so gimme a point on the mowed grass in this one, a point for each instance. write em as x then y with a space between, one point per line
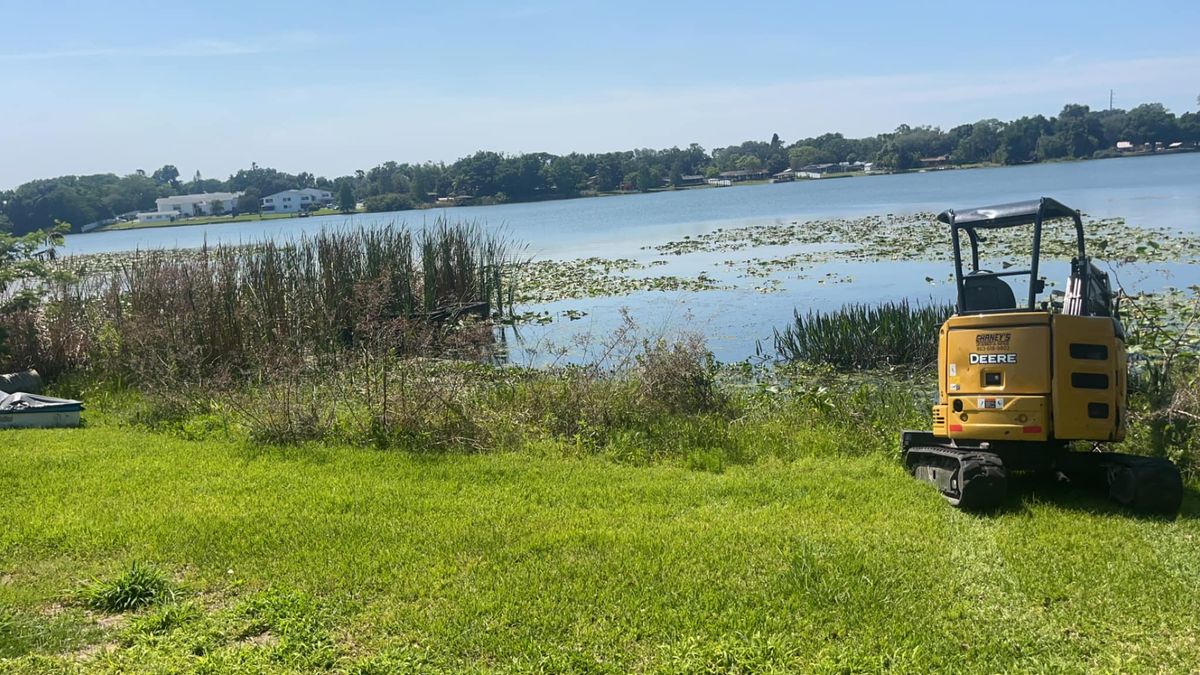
360 560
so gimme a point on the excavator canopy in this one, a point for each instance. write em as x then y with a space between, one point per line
981 290
1007 215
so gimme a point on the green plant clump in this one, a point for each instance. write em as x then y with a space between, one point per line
864 337
139 585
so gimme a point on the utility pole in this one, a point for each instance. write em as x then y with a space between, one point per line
1110 99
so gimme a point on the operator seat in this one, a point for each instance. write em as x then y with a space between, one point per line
982 292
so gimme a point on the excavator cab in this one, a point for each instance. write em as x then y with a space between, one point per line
981 290
1024 380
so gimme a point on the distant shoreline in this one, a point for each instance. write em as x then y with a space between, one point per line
253 218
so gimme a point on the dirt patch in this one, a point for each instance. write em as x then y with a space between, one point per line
53 609
92 651
109 621
263 639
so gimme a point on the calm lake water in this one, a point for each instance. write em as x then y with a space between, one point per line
1150 191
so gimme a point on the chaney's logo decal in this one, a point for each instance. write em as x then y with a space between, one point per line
993 342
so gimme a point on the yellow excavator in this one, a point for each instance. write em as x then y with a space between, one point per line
1037 384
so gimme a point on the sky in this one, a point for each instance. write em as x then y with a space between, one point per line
331 87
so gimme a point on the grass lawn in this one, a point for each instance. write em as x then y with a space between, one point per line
371 561
206 220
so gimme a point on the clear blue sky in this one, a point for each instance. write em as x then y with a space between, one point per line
332 87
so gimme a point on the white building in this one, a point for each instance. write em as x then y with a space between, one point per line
291 201
157 216
204 204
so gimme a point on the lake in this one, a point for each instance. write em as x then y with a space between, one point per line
1156 191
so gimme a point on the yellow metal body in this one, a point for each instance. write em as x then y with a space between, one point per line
1030 376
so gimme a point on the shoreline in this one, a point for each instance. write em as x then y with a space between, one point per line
489 202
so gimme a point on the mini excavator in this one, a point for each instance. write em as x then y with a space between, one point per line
1036 385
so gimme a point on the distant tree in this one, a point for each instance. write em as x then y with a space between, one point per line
1112 125
565 176
806 154
980 144
388 202
1189 127
775 141
423 182
476 175
677 174
894 155
1079 132
250 201
645 180
1150 122
1052 147
167 175
216 207
346 198
749 163
267 181
1019 141
608 172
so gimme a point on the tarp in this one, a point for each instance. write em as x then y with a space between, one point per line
26 380
22 402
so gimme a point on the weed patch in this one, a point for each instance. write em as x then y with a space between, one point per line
139 585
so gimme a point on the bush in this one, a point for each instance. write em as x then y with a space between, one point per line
1164 379
137 586
679 376
384 203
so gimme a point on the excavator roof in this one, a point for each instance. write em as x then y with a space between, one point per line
1007 215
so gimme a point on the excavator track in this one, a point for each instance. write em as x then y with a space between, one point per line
971 480
975 479
1149 485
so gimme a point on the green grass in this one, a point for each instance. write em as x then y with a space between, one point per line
813 557
206 220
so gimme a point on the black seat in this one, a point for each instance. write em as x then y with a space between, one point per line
982 292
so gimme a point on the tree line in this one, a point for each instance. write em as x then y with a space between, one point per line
489 177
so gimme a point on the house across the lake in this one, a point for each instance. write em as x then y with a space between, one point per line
157 216
292 201
203 204
745 174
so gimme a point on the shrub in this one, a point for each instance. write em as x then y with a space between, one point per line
679 376
137 586
391 201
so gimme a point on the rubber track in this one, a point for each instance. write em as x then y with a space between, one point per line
979 480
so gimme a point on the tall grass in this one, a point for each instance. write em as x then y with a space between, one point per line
241 308
864 337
